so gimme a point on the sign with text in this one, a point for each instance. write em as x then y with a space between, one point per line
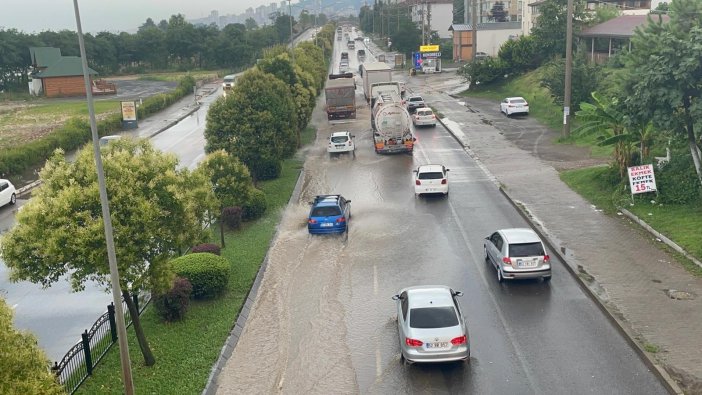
129 115
641 179
428 48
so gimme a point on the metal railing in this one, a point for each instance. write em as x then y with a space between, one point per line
80 361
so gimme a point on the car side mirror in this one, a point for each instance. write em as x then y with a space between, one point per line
458 293
395 297
414 139
448 169
348 201
353 136
414 171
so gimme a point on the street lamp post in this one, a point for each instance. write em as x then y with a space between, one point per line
111 256
292 45
568 69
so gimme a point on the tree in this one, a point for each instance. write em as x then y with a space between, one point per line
498 12
157 212
663 82
24 368
256 123
549 31
408 37
250 24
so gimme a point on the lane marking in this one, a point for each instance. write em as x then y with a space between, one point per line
375 280
378 371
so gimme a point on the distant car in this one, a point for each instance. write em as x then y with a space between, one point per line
344 55
358 38
431 179
481 56
415 102
431 325
104 140
329 214
424 117
228 83
8 193
517 253
341 142
514 105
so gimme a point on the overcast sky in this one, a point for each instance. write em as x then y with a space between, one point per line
111 15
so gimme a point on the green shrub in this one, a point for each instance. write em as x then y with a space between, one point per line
482 73
24 368
677 180
207 247
172 305
520 55
232 216
208 273
255 207
267 169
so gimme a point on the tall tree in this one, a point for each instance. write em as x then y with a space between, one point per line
549 31
664 83
157 210
498 12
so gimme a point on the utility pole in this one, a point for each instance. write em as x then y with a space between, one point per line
423 34
429 23
474 44
292 45
568 69
107 220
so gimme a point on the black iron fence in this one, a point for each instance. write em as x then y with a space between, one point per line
80 361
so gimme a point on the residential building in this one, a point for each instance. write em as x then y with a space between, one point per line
610 37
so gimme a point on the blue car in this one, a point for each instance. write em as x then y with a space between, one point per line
329 214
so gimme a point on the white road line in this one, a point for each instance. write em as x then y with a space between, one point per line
375 280
378 370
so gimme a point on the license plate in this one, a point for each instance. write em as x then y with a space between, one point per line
326 224
521 263
437 345
339 146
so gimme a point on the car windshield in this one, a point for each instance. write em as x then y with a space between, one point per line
526 249
339 139
518 101
228 79
431 175
415 99
327 211
433 317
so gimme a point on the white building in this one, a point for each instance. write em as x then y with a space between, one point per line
438 15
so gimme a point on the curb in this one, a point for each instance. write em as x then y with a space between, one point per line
647 359
243 314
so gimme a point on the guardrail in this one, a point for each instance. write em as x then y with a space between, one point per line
80 361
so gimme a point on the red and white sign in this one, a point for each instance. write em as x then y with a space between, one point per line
641 179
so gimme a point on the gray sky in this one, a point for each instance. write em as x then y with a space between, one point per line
111 15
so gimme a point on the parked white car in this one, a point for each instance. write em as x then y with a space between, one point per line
8 193
431 179
514 105
341 142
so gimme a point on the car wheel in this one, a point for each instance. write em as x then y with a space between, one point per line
547 279
13 199
499 275
403 360
487 257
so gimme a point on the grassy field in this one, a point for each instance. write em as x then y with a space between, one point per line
680 223
185 351
198 75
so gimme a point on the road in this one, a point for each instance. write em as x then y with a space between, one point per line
323 321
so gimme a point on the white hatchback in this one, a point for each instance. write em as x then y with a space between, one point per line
8 194
424 117
514 105
431 179
341 142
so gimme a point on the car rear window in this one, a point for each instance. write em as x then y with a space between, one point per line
415 99
339 139
326 211
424 112
526 249
518 101
431 175
433 317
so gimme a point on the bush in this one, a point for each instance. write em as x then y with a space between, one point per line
520 55
173 304
232 217
256 206
267 169
482 73
206 247
585 78
208 273
677 180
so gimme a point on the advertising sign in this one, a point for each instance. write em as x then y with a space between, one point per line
129 115
428 48
641 179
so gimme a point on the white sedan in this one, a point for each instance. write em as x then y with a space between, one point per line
431 179
514 105
424 117
8 194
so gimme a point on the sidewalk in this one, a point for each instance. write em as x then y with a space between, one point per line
636 281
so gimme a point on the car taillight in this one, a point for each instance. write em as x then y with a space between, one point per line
458 340
341 219
413 342
444 181
312 221
417 182
507 260
433 117
349 143
547 258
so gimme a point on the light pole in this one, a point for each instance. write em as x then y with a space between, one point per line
292 45
111 256
568 69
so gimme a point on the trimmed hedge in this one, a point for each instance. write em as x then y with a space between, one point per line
256 205
172 305
206 247
76 132
208 273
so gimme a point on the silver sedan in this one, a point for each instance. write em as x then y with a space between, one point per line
431 325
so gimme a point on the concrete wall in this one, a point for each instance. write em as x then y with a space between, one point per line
490 41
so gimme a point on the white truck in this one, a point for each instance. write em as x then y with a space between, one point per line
390 122
374 72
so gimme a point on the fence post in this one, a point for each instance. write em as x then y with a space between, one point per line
55 369
86 349
135 297
113 322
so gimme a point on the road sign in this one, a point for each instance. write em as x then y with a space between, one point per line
428 48
641 179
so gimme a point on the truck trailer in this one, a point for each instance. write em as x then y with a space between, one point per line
340 93
390 122
374 72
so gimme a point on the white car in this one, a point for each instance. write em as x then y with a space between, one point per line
517 253
341 142
514 105
228 83
431 179
8 194
424 117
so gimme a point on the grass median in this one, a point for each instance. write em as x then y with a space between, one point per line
185 351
